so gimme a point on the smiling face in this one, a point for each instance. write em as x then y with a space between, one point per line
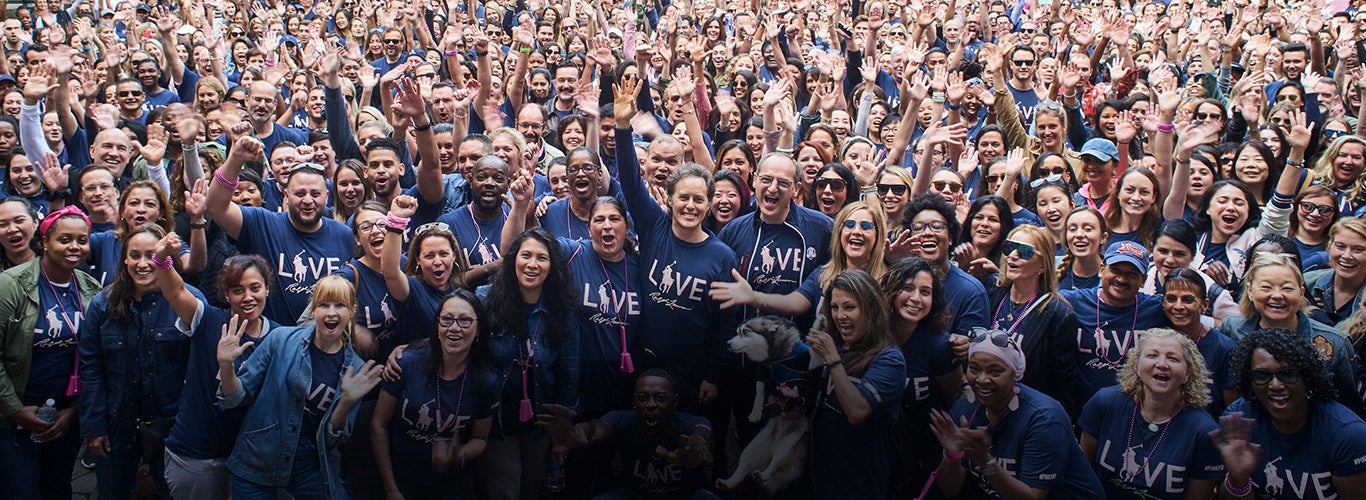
247 297
726 204
1137 195
369 233
382 170
892 193
331 317
532 265
912 303
1348 164
858 242
1119 283
1085 234
1018 268
306 195
1183 303
1162 366
350 189
1347 254
689 203
1250 167
436 261
137 260
1283 401
1313 221
661 159
67 243
1202 176
582 175
141 205
986 226
456 340
654 402
831 193
992 381
1228 210
1276 294
847 316
1052 204
607 227
23 177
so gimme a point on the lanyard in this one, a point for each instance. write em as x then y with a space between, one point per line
459 400
524 413
626 365
68 319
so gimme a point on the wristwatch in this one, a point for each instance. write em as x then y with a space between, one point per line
988 470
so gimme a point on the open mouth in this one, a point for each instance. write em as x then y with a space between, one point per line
1276 306
724 209
139 220
1278 401
331 324
439 275
1080 245
660 178
1053 218
650 419
608 239
454 338
249 308
827 202
142 273
582 185
1346 266
856 242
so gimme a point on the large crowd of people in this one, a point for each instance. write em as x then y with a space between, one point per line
502 248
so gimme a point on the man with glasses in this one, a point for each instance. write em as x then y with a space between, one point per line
395 46
1022 62
301 243
261 114
531 122
130 96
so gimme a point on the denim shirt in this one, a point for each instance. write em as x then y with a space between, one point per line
274 383
130 371
554 368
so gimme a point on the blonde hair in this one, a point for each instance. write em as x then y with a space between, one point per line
1353 224
1044 248
1323 168
1194 392
839 262
1263 261
334 288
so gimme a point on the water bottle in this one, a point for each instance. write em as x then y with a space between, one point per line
554 478
47 413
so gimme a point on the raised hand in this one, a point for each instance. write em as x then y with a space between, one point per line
403 206
1300 131
230 345
357 383
39 83
246 149
1125 127
408 102
624 105
155 148
1233 438
195 198
956 89
54 172
169 246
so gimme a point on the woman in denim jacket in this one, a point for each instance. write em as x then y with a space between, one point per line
132 369
535 348
301 385
37 355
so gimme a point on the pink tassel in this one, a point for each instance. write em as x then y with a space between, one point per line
626 365
525 414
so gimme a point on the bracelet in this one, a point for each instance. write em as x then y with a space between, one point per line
481 54
270 63
223 181
423 128
164 263
1245 490
1293 163
395 222
953 107
956 457
524 50
1166 128
452 52
198 225
831 366
189 147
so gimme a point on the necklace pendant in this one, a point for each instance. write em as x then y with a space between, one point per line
1152 426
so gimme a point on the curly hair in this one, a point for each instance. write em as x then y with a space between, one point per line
506 305
898 278
1290 351
937 203
1194 392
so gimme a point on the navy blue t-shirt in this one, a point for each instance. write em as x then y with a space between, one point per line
419 419
420 310
856 461
1070 281
1135 462
1217 349
928 356
561 222
1036 445
105 252
376 310
967 301
643 471
202 430
1331 443
480 240
1101 348
1025 102
777 258
54 342
300 259
609 306
323 390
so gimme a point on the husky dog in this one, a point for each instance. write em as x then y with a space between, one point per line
777 455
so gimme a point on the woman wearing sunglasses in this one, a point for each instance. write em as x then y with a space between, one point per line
1148 437
1337 291
854 426
1287 438
1184 302
1004 439
919 325
834 187
1274 297
436 266
893 187
444 404
1316 211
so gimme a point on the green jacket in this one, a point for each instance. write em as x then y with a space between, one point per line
19 304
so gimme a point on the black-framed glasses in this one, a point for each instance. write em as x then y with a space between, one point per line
392 41
865 225
1285 375
833 184
768 180
1200 117
952 187
896 189
574 169
1308 207
365 227
1289 96
1025 250
432 226
446 320
934 227
1030 31
1023 62
425 75
129 93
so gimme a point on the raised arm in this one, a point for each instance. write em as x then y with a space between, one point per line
402 208
184 303
167 23
218 200
410 104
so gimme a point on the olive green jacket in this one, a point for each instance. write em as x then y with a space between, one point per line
19 311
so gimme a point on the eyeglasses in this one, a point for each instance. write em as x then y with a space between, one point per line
952 187
1023 62
935 227
1025 250
365 227
768 180
1029 30
865 225
896 189
1308 208
130 93
1200 117
90 188
832 184
425 75
1279 120
994 178
447 320
574 169
432 226
1285 375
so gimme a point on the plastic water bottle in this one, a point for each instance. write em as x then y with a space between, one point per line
554 478
47 413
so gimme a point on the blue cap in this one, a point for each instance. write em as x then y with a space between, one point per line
8 78
1127 252
289 39
1100 149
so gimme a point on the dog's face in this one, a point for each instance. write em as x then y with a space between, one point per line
749 343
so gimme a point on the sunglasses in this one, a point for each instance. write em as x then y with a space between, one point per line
952 187
1308 208
129 93
1030 31
936 227
447 320
1288 97
1285 375
1333 134
865 225
392 41
432 226
1200 117
1025 250
833 184
997 337
1023 62
897 189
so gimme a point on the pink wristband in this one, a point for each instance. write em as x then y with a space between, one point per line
1166 128
956 457
223 181
395 222
164 263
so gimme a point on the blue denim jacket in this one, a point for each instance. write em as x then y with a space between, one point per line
274 383
130 371
555 369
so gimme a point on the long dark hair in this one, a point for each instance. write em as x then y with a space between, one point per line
120 294
558 295
431 360
1007 224
1273 166
851 186
898 277
1203 223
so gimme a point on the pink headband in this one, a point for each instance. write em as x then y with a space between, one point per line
52 218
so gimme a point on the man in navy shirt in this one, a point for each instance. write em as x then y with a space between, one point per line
301 243
1022 62
261 114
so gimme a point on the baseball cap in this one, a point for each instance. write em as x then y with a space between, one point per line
1127 252
1100 149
